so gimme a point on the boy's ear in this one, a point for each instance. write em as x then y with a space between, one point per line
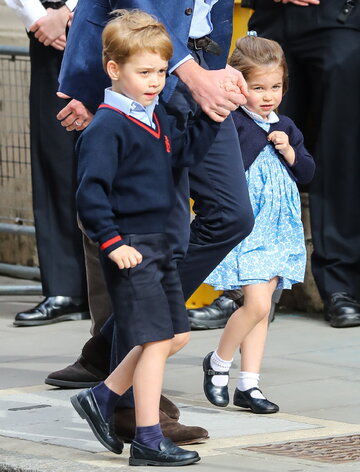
113 70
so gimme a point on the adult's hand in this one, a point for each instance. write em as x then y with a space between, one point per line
59 43
75 115
206 88
50 27
301 3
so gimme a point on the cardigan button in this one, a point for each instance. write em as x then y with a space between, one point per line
188 11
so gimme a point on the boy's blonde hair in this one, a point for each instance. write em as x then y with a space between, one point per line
252 52
132 31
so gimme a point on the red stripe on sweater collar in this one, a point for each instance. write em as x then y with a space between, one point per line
155 133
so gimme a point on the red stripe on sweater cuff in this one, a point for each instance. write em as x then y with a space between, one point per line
111 241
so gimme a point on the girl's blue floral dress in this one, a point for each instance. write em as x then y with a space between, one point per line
275 247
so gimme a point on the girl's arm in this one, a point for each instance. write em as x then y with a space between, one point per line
281 142
303 166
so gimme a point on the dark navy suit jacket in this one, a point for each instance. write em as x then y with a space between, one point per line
82 75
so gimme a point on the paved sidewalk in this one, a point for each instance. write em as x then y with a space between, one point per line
311 370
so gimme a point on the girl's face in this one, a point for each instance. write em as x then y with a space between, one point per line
265 86
141 78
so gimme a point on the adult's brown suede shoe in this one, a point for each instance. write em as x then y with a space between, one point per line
124 423
169 408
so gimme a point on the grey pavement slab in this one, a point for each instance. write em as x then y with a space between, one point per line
310 369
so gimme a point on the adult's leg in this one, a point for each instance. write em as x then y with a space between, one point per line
335 220
223 211
53 166
59 240
221 202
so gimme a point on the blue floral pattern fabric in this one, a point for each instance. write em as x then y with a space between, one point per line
276 246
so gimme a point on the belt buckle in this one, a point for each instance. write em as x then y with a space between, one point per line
196 47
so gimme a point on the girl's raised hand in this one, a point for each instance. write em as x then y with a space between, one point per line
125 257
281 143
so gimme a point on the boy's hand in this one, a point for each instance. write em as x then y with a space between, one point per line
125 257
281 143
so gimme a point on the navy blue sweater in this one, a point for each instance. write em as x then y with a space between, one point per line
125 179
253 139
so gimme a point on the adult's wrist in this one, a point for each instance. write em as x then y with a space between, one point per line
188 71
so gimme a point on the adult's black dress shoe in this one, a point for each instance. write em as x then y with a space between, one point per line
257 405
168 455
342 310
218 396
85 404
54 310
212 316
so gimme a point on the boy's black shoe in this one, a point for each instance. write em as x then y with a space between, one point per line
168 455
257 405
218 396
85 404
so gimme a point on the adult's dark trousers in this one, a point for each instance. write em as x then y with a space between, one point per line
323 99
53 167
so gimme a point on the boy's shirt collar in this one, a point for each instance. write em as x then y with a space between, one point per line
272 118
131 107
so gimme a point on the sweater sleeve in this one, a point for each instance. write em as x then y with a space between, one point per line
304 167
191 139
97 150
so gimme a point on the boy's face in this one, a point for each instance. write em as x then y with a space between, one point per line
265 88
141 78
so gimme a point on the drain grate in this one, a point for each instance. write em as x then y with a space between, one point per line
335 450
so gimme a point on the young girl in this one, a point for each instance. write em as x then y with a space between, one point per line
273 255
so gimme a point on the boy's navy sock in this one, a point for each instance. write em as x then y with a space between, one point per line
150 436
106 400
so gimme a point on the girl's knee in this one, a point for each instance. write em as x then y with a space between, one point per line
260 309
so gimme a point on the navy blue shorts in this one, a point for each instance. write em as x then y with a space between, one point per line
147 300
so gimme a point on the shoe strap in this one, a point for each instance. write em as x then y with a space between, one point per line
213 372
254 388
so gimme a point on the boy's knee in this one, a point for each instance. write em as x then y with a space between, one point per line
179 341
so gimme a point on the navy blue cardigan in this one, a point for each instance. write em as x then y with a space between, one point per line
253 139
125 178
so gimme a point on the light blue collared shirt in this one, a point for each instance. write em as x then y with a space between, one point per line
131 107
201 21
272 118
200 24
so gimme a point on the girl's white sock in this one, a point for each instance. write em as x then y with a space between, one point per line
249 380
219 365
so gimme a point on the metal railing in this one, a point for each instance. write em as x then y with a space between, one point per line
16 215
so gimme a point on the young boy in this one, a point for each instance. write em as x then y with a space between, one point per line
125 194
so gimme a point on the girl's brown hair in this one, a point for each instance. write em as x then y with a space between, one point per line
132 31
252 52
